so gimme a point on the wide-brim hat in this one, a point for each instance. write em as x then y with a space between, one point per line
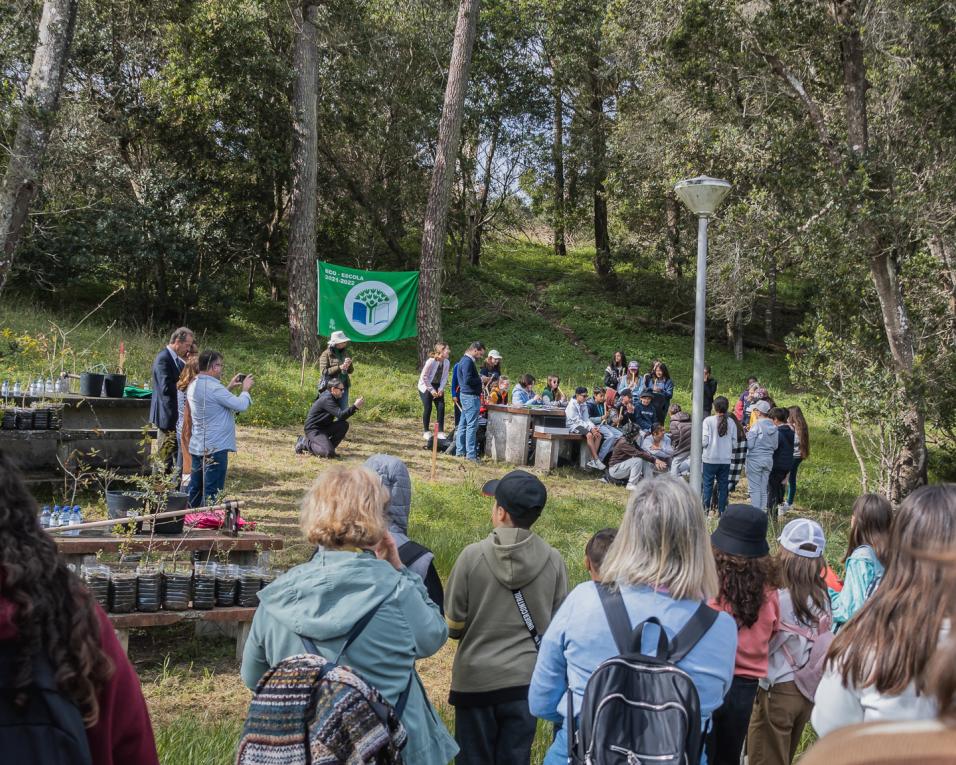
742 530
338 337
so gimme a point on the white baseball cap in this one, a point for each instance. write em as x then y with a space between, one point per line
338 337
762 406
803 537
493 354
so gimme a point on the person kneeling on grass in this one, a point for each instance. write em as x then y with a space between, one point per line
580 423
325 424
501 595
628 460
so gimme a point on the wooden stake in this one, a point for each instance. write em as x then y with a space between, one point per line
435 452
236 504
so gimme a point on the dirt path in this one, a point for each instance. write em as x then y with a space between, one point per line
539 306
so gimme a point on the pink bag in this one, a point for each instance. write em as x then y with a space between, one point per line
807 675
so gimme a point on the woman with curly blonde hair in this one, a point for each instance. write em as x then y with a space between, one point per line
355 571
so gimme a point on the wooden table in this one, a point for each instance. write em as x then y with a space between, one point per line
242 550
233 622
99 431
510 427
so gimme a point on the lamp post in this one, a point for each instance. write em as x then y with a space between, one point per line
702 196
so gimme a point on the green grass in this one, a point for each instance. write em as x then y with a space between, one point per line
195 696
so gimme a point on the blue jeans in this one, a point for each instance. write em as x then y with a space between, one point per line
720 474
466 437
208 477
792 491
611 436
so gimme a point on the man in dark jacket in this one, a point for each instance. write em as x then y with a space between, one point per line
627 461
164 407
782 457
469 382
710 390
325 424
680 440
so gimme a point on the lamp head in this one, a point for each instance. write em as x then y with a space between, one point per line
702 195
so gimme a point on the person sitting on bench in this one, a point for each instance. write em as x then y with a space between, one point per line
325 424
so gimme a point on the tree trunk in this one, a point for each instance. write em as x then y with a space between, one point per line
303 298
771 309
674 266
602 241
40 103
557 157
436 211
474 251
910 469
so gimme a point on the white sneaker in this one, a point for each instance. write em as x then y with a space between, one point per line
425 435
632 487
596 465
441 435
782 510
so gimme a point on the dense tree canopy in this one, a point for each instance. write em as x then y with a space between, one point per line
169 166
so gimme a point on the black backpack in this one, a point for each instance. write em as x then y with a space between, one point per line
48 727
639 708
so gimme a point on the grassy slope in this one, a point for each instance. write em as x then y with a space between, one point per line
196 699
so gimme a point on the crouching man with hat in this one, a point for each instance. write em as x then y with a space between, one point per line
501 595
326 423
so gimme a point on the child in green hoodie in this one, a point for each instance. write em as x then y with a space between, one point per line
500 597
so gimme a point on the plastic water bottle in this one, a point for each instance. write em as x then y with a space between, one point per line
48 386
55 518
5 389
16 387
45 517
76 518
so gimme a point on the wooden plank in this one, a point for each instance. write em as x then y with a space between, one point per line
139 620
539 436
247 541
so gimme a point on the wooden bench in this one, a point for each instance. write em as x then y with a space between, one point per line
548 445
235 621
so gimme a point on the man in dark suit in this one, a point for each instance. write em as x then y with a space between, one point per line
164 408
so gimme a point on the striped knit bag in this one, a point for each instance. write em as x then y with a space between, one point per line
309 711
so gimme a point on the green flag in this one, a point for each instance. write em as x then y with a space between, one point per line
368 306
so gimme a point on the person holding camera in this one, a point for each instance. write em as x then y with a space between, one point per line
336 364
213 436
326 423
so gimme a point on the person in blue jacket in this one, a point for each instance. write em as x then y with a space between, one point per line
662 562
662 387
469 386
645 415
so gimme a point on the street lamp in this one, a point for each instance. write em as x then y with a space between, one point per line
702 196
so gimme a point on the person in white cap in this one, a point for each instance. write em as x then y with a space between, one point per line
761 444
785 696
490 370
336 364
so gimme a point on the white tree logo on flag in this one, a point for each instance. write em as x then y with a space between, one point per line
370 307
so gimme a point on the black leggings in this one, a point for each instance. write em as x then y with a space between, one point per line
427 402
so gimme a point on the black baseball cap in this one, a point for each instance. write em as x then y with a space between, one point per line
742 530
521 494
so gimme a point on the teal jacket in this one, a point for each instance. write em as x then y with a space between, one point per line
323 599
863 574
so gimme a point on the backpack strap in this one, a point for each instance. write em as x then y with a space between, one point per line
617 618
410 551
691 633
526 617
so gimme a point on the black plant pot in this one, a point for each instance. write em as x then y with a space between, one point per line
91 384
118 503
113 385
175 500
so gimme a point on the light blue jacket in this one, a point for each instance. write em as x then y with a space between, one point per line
579 639
213 409
323 599
761 442
863 573
522 396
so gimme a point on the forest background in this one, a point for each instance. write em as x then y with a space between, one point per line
170 170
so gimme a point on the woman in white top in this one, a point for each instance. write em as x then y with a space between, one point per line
720 435
878 662
431 387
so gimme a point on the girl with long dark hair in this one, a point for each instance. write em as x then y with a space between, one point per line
662 387
878 663
865 553
50 623
720 435
747 594
615 371
801 449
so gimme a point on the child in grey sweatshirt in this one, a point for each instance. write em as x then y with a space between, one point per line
761 444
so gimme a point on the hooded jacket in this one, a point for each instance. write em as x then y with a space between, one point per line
681 433
323 599
496 653
123 733
396 480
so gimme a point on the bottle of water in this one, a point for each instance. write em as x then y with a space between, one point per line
45 517
48 386
76 518
16 387
5 389
55 518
